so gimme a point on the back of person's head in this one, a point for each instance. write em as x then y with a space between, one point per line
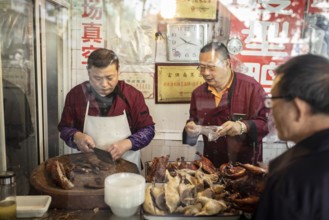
306 77
219 48
101 58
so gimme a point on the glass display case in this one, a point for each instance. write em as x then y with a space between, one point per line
45 44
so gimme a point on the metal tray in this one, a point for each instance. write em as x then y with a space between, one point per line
178 217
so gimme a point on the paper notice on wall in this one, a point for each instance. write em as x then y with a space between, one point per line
141 81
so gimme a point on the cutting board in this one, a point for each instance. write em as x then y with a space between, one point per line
86 168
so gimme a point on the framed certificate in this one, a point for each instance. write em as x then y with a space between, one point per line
196 10
176 81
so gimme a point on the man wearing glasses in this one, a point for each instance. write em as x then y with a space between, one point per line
230 102
298 180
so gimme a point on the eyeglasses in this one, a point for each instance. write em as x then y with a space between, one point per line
203 68
268 99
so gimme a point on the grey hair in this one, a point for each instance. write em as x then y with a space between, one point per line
306 77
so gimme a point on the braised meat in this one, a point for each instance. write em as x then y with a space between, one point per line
245 183
157 171
58 174
205 163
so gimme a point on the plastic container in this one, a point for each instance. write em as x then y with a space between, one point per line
124 193
32 206
7 195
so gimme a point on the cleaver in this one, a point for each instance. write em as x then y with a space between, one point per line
103 155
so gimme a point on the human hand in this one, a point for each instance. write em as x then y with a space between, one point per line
119 148
231 128
211 132
84 142
192 129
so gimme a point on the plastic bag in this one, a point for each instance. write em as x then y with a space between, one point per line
209 131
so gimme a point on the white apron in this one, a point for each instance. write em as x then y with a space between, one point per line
108 130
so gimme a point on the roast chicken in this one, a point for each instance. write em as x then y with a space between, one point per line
205 163
158 166
156 172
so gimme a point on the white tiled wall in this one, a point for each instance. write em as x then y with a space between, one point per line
174 148
272 150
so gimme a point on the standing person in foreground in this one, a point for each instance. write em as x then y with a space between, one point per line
106 112
231 100
298 180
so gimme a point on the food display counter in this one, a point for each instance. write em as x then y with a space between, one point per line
63 214
76 181
66 214
86 199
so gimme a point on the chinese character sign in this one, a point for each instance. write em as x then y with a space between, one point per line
268 31
92 28
175 82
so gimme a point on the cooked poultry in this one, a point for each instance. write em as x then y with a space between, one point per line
190 210
253 169
211 206
173 166
184 165
188 171
171 192
232 172
218 188
247 204
244 201
58 174
245 183
206 193
187 177
172 197
217 192
206 164
174 181
149 204
220 192
235 188
156 172
186 193
158 196
206 179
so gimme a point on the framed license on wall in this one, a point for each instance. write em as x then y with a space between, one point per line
174 82
196 10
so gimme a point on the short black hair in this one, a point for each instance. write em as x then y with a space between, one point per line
218 47
306 77
101 58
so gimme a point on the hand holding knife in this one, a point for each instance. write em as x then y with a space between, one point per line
104 155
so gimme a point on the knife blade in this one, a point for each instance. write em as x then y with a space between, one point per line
104 155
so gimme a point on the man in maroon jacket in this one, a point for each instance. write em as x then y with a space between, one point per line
233 102
105 112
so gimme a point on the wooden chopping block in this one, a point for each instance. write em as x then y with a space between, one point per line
86 168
